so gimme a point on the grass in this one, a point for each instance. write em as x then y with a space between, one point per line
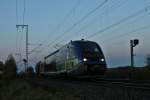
21 90
137 73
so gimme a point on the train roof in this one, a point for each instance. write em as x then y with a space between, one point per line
82 40
51 54
76 41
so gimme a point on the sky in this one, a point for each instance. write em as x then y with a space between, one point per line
53 23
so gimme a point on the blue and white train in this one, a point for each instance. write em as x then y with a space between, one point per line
77 58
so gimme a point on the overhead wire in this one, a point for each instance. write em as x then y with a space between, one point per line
18 47
66 17
145 9
94 20
63 21
24 9
34 49
16 11
102 14
19 37
110 26
17 23
78 22
131 22
126 34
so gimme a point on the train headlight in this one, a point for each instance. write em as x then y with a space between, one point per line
102 59
84 59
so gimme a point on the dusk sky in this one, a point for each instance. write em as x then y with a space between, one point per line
53 23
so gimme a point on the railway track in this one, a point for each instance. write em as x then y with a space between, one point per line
96 89
134 84
124 83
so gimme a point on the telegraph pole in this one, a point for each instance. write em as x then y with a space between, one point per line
20 59
26 27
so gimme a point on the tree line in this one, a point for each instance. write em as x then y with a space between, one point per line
8 70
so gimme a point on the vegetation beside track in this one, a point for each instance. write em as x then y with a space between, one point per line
20 89
136 73
13 87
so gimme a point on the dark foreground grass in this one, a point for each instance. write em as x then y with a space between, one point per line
136 73
21 90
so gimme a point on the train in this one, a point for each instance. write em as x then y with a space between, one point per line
77 58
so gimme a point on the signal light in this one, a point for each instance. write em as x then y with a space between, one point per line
135 42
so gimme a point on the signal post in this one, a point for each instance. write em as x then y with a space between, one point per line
133 43
25 60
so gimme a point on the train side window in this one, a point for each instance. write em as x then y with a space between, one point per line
72 52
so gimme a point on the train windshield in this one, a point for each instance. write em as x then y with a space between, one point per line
90 49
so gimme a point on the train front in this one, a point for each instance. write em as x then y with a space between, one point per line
92 58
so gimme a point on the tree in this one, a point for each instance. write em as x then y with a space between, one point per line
10 67
1 68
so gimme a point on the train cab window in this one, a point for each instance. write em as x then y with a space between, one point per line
90 47
96 49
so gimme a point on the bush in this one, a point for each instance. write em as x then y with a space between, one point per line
137 73
10 68
1 69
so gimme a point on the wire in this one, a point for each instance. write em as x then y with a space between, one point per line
119 22
94 20
125 34
131 22
20 43
17 23
16 11
64 19
24 9
66 16
34 49
78 22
